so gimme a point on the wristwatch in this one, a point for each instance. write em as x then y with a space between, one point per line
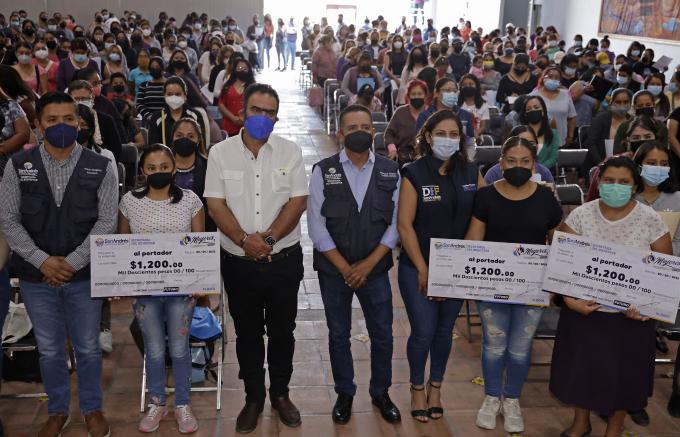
270 241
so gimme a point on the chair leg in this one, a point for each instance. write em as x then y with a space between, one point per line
142 407
468 321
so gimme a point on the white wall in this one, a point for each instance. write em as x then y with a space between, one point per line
482 14
582 16
84 10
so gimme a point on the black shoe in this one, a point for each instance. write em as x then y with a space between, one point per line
585 434
246 421
640 417
674 405
342 410
388 410
288 412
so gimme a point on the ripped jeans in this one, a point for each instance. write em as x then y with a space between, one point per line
154 314
506 346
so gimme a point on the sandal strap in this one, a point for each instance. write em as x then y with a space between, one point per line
431 384
435 410
414 388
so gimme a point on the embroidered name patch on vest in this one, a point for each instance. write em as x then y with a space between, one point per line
28 173
332 177
431 193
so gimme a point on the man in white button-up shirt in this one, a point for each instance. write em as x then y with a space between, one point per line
256 190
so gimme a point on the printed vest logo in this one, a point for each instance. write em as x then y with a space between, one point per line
28 173
332 177
431 193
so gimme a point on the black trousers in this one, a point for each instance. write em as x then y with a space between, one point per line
263 299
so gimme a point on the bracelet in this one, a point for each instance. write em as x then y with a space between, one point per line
243 240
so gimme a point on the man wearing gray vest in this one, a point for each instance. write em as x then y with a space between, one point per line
352 209
54 197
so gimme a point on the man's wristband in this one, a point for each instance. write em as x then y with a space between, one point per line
243 240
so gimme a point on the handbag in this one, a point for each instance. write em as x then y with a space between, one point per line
315 96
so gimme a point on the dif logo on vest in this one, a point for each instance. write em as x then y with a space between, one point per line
431 193
28 173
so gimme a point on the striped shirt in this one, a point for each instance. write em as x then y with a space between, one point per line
58 175
150 99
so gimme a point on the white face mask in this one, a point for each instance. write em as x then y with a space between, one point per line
89 103
444 147
41 54
174 102
398 45
146 32
182 44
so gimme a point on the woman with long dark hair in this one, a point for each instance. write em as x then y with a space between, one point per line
470 99
534 113
444 165
231 98
162 207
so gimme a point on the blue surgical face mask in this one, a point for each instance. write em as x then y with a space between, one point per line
551 84
79 58
444 147
615 195
635 52
655 89
655 175
570 71
259 126
449 99
673 87
621 80
61 135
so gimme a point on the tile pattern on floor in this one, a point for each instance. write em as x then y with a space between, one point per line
312 382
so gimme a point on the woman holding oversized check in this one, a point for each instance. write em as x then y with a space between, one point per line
162 207
603 360
512 210
436 198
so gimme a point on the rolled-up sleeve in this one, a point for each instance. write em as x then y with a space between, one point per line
107 197
316 223
10 220
391 236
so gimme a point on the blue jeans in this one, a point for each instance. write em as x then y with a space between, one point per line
266 47
154 314
431 327
53 310
376 302
290 49
508 334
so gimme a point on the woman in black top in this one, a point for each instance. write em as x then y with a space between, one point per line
512 210
517 82
435 201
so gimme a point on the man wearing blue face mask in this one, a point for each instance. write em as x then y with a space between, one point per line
54 197
352 222
256 190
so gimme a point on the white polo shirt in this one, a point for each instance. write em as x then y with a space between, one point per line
256 189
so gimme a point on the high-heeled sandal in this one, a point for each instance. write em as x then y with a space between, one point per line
419 415
585 434
434 410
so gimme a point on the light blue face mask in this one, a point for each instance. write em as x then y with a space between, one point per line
444 147
615 195
449 99
673 87
655 89
551 84
655 175
621 80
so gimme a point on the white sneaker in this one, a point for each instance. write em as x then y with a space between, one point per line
512 415
152 420
486 417
106 341
186 421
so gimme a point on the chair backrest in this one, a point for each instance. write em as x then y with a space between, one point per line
145 135
343 101
487 155
380 126
570 194
486 140
213 112
337 93
379 144
570 158
121 178
378 116
130 159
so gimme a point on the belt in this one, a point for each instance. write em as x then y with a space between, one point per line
283 254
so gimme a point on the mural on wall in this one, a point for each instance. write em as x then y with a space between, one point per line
658 19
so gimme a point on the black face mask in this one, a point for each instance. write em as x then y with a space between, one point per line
517 176
468 91
534 117
242 75
155 73
78 33
230 41
434 54
62 54
51 44
29 31
159 180
365 68
184 147
118 88
137 39
520 71
84 136
648 111
418 102
358 141
634 145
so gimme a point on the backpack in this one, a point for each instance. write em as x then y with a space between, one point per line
205 328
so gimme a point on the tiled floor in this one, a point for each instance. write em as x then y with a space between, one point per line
312 383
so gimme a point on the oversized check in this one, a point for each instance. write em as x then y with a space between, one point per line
615 276
483 270
155 264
